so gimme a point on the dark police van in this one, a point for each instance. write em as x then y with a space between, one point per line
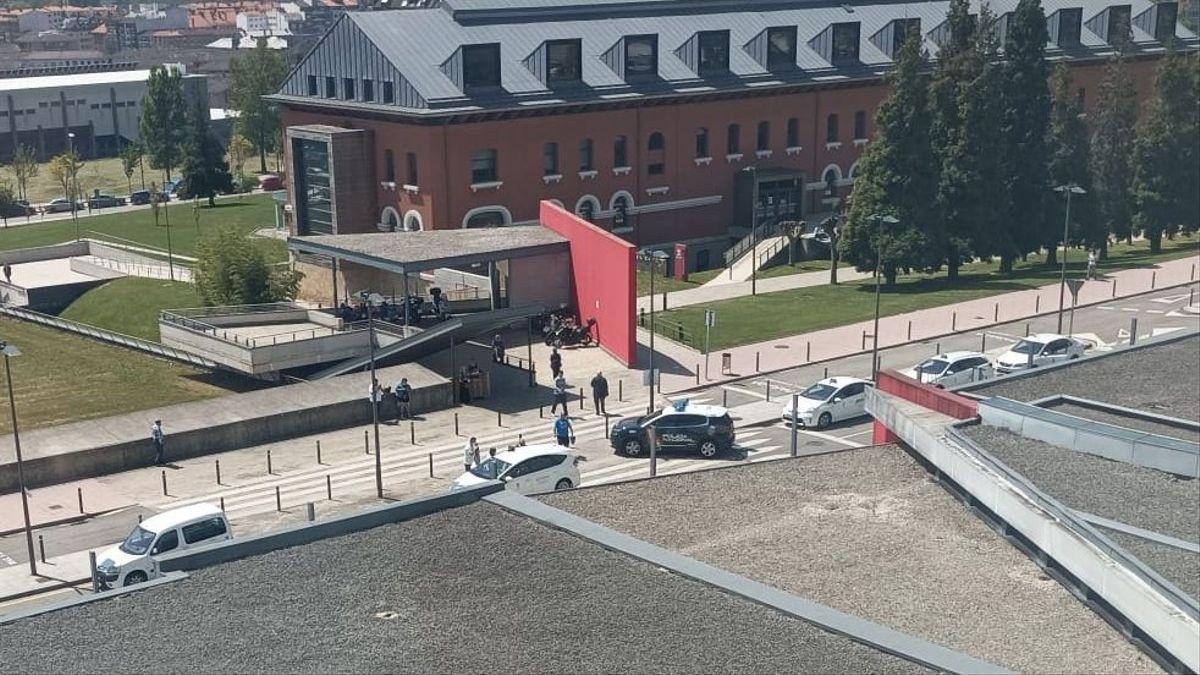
706 429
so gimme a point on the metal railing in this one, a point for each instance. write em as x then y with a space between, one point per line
109 336
667 328
763 231
231 336
228 310
142 269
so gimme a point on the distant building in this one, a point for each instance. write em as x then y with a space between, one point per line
101 109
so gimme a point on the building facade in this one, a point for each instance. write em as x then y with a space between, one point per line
661 120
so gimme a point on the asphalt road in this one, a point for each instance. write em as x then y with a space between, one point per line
93 533
87 213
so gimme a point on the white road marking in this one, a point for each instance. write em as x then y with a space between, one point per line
747 392
1123 309
1171 299
857 433
1149 311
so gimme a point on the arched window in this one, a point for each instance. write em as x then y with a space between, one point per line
620 217
390 219
412 221
587 211
831 129
831 180
764 136
487 217
853 172
702 143
656 142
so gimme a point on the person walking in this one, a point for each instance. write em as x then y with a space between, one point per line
563 431
403 392
159 438
497 349
470 454
560 394
1091 268
599 393
555 362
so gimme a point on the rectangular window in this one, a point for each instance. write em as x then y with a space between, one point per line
330 86
860 124
312 85
656 169
481 66
733 139
368 90
1119 31
1164 21
641 56
313 187
702 143
587 160
205 529
564 61
764 136
793 133
56 104
1069 23
781 48
620 152
485 166
348 88
845 44
902 29
411 160
831 129
389 166
389 92
713 57
43 104
550 159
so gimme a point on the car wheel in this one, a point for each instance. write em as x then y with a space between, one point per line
633 448
708 449
563 484
1074 356
824 420
137 577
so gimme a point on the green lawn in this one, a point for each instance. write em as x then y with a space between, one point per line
247 213
774 315
131 305
61 377
670 284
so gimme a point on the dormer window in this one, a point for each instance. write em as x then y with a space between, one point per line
564 62
641 56
1119 31
713 58
844 50
481 66
781 48
891 38
1166 16
1069 22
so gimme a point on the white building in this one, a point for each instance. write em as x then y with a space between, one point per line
100 109
262 24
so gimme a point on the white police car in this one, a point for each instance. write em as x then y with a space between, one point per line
1043 349
684 426
828 401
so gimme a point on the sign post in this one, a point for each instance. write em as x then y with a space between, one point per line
1073 285
710 320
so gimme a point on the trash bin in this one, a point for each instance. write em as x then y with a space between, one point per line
726 362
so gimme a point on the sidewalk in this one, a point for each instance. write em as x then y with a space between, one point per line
898 329
59 504
712 292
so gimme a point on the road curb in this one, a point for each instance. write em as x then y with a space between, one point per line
57 586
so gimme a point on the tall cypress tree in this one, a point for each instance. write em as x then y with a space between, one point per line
894 178
163 118
1026 97
205 171
1069 162
1112 149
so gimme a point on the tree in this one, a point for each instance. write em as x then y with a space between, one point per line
252 76
24 167
1164 152
1026 96
231 270
7 200
163 122
1069 161
65 170
240 150
205 171
1112 147
894 178
131 158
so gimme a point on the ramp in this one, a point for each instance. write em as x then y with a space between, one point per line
435 339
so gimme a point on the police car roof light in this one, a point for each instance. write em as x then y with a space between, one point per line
680 405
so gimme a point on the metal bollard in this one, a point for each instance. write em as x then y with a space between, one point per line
222 504
664 301
328 487
909 338
499 419
768 390
1114 293
1037 304
278 500
807 352
724 397
1153 280
79 493
582 399
311 511
1026 329
983 342
455 424
367 441
319 451
217 468
864 341
620 390
431 465
42 548
269 470
996 314
1133 331
541 411
697 373
92 569
164 482
140 516
795 424
825 375
937 348
412 433
606 426
954 322
756 361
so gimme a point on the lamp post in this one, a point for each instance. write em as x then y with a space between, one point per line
753 228
74 182
879 221
653 258
370 299
10 350
1067 189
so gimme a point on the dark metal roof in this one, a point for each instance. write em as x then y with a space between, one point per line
409 252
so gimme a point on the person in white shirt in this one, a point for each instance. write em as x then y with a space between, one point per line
470 454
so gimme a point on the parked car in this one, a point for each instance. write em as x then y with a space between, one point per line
831 400
269 182
1042 349
527 470
100 200
684 426
952 368
60 205
133 561
143 197
19 208
172 186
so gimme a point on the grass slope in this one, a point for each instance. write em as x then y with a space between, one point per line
774 315
131 305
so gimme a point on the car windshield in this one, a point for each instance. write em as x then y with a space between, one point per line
818 392
491 468
645 419
933 367
138 541
1028 347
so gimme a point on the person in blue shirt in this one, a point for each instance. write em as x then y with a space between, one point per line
563 430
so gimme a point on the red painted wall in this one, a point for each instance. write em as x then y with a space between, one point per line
602 280
926 395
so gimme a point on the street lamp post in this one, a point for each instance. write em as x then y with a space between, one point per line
753 229
879 221
9 351
74 182
369 299
1067 189
652 257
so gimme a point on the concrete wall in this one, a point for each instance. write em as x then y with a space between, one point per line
540 280
24 255
267 358
926 395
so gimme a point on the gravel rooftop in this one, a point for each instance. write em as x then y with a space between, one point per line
473 589
1180 567
1128 422
1163 379
1146 498
868 532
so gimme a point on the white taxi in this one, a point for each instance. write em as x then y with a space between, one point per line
831 400
527 470
951 369
1042 349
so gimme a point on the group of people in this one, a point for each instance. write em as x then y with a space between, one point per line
402 391
471 452
563 431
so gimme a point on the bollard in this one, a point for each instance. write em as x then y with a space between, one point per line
367 440
909 338
222 504
620 390
756 355
431 465
1191 296
697 373
217 467
1193 272
278 500
664 301
92 570
724 397
412 433
541 411
768 390
311 511
864 341
1133 331
1114 293
1037 304
795 424
269 471
319 451
455 424
996 314
582 400
140 517
1153 280
807 352
164 482
328 487
42 548
954 322
983 342
937 348
499 419
825 375
1026 329
79 492
606 426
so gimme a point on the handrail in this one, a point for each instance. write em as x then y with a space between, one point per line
223 310
135 246
762 231
667 328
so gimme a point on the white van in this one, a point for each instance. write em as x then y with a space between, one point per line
133 560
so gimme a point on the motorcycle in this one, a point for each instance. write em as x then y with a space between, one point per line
571 335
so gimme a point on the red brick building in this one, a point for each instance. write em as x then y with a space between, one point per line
656 119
